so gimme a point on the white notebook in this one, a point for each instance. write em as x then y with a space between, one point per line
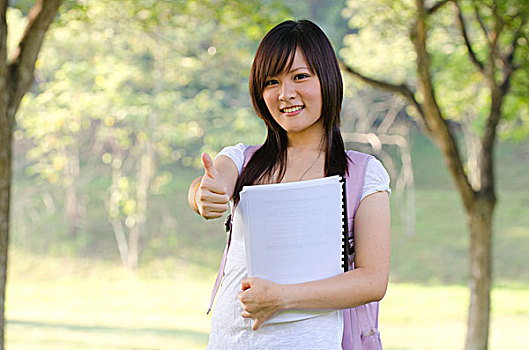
294 232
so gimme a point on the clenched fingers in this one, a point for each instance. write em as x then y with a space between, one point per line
212 186
211 205
206 196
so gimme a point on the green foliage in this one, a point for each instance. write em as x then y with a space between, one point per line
122 86
380 43
382 48
187 63
325 13
118 79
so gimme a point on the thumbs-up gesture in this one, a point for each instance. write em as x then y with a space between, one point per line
211 196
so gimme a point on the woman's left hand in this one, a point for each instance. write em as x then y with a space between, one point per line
260 299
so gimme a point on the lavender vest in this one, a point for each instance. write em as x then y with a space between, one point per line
361 322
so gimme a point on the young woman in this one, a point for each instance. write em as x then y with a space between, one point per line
296 88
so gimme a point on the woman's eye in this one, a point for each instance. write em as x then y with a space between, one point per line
271 82
301 76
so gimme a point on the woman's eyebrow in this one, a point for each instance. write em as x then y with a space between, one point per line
297 68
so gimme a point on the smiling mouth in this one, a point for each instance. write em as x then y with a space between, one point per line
291 109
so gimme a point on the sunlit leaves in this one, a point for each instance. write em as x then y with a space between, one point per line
127 90
380 47
380 42
388 17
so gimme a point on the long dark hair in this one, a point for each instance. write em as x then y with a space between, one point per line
274 55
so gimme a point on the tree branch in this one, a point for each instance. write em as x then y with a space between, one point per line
480 21
432 114
437 6
508 60
401 89
498 93
494 52
23 65
462 27
488 140
508 68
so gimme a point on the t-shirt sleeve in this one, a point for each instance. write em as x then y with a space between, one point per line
376 178
235 153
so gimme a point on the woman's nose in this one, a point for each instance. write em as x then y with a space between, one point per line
287 91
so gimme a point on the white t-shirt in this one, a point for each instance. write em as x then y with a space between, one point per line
377 178
229 330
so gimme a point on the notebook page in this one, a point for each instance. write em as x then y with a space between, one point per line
293 233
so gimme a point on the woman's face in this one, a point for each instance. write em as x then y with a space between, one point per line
294 97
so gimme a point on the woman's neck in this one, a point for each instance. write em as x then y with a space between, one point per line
308 139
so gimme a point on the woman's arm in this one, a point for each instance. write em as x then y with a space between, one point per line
261 299
208 195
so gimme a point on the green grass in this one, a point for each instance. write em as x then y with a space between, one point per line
434 317
56 303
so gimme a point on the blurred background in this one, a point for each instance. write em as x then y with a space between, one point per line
106 254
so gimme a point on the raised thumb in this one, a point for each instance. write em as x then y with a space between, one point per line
208 166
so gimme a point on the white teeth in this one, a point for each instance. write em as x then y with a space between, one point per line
292 109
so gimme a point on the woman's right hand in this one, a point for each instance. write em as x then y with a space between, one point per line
211 196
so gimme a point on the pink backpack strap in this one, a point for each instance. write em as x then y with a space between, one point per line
357 166
248 153
361 322
355 180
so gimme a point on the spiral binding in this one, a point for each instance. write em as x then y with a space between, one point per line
345 228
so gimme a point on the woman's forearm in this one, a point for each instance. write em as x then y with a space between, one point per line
261 299
350 289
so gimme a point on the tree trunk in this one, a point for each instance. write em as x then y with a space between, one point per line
6 127
121 240
478 204
16 78
473 151
114 211
72 203
480 225
144 178
6 134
